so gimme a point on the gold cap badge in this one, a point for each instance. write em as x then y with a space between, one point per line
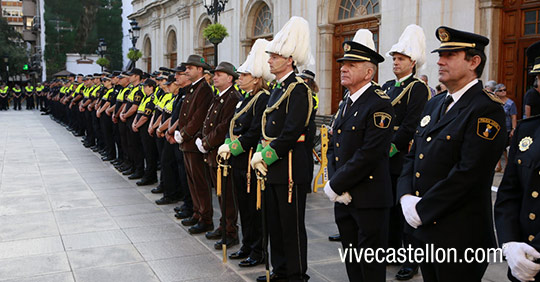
443 35
346 47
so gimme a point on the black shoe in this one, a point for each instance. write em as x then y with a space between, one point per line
166 201
407 272
136 175
228 241
129 171
183 214
87 145
213 235
106 159
273 278
334 238
147 181
190 221
179 208
158 190
200 228
239 255
249 262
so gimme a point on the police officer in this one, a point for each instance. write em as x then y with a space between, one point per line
358 157
283 153
516 207
29 96
445 186
4 92
16 92
408 96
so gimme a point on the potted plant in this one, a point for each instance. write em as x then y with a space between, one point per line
103 62
134 54
215 33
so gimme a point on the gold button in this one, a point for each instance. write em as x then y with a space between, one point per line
417 131
185 114
215 112
337 159
534 194
339 131
519 161
273 122
211 124
417 193
434 222
417 175
531 237
532 216
428 139
337 145
448 137
353 128
371 177
421 156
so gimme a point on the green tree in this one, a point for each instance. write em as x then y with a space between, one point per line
12 46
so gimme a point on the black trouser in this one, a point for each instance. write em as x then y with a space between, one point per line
450 272
159 145
170 179
116 136
135 146
286 226
107 130
90 135
182 175
81 124
250 217
150 152
17 103
123 130
97 130
29 102
362 229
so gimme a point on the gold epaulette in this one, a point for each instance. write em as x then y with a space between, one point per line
493 97
382 94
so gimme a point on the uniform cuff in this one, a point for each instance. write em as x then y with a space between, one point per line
393 150
236 148
228 141
259 148
269 155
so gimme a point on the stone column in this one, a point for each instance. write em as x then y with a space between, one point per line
324 68
488 16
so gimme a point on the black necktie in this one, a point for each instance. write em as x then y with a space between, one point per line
445 105
349 103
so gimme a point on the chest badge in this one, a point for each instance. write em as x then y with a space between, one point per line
425 120
525 143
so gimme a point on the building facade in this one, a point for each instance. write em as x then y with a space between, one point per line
12 11
172 30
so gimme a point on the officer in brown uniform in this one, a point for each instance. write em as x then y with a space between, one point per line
216 125
192 113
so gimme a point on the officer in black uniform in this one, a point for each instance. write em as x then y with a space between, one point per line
445 186
16 93
358 157
517 205
283 153
408 96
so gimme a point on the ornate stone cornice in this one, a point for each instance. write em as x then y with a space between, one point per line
485 4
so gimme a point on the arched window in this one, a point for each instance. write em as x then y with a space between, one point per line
206 45
148 54
357 8
264 23
172 49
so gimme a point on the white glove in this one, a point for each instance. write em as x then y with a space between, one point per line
178 137
345 198
408 206
198 142
224 151
519 256
258 163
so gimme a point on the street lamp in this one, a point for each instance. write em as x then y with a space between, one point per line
214 8
102 48
134 32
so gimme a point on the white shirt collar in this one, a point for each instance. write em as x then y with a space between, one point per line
193 83
359 92
405 78
457 95
221 92
285 77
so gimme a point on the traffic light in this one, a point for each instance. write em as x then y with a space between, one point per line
25 67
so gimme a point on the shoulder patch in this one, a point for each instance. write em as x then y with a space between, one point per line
493 97
382 94
382 119
487 128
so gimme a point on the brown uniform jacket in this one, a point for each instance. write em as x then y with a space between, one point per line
216 123
192 113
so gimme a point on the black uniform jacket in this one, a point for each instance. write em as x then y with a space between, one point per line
248 126
408 109
358 150
287 123
518 204
451 167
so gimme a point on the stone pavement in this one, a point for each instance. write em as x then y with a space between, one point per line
67 216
